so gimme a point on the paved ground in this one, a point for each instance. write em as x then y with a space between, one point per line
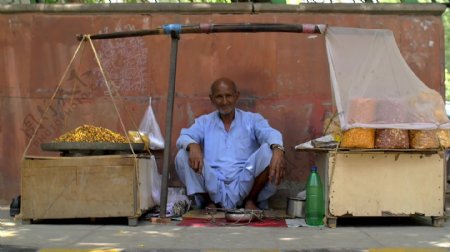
356 234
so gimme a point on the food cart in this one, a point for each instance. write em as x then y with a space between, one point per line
86 187
386 156
382 183
88 179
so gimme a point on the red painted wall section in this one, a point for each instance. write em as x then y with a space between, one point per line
283 76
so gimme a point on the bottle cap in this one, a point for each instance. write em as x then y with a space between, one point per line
314 168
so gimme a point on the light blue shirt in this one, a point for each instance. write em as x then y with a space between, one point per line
228 151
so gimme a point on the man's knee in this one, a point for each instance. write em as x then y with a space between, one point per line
181 164
182 158
262 158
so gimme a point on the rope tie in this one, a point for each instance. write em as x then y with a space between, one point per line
52 98
88 37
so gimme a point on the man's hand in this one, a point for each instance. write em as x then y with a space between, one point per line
195 157
277 166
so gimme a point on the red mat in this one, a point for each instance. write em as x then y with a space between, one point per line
206 222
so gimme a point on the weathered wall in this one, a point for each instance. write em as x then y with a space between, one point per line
283 76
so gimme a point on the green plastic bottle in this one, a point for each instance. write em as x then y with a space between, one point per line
315 203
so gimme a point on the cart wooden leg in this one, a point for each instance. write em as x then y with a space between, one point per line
132 221
331 222
438 221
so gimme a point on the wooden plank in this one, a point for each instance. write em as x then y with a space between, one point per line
76 187
321 150
86 160
384 184
145 176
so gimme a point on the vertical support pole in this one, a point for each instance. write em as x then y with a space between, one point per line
169 118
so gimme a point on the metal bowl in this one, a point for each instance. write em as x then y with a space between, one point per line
241 215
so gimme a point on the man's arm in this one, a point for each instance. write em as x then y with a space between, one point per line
193 134
273 138
195 157
266 134
190 140
277 166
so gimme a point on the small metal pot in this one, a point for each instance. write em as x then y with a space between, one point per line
295 207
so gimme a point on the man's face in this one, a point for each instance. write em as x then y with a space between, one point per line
224 98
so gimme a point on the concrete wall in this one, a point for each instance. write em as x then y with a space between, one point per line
283 76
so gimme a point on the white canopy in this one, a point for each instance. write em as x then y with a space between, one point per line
374 87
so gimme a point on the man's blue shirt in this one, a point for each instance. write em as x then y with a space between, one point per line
229 150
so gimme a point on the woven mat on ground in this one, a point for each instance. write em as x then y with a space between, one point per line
201 218
219 222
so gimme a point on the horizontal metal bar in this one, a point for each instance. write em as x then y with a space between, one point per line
123 34
213 28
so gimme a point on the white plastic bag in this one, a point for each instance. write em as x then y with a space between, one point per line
150 127
156 182
177 201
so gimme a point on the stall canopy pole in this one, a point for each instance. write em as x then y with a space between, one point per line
214 28
175 30
169 119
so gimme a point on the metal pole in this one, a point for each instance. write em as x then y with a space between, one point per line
169 119
215 28
124 34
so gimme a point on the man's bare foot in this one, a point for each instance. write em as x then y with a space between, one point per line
250 205
210 205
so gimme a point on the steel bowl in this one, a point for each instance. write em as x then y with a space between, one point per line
241 215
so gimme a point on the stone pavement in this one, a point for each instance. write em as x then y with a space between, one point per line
385 234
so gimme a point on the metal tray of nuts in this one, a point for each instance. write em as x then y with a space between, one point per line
91 148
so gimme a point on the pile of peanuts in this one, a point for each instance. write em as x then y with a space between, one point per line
89 133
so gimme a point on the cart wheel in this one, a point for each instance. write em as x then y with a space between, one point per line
331 222
132 221
438 221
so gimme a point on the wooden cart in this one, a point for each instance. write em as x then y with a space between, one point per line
375 183
86 187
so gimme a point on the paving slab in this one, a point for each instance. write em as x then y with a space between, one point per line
355 234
